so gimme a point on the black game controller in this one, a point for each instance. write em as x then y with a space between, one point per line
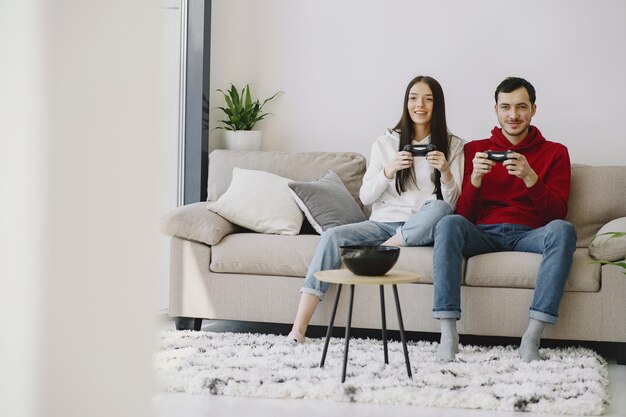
498 156
419 150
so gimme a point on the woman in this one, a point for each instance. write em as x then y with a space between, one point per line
409 195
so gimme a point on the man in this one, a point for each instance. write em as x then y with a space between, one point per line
514 205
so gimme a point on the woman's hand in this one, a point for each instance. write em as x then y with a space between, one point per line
437 160
402 160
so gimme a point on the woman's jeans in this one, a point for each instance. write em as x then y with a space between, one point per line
418 230
456 237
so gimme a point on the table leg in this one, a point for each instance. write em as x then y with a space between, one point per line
382 312
330 325
347 343
402 337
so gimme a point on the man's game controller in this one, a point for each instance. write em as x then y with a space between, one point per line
419 150
498 156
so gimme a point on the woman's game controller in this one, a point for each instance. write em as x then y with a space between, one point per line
419 150
498 156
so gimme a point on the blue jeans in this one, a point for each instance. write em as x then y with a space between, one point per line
455 237
418 230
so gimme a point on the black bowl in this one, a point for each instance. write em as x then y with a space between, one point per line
370 260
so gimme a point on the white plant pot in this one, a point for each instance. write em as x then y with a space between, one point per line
243 140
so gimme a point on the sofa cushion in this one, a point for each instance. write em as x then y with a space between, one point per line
326 202
420 260
300 166
609 247
263 254
195 222
519 270
259 201
257 254
597 196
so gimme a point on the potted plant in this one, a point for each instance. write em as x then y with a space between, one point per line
242 113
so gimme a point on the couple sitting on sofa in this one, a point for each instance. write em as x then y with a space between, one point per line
512 205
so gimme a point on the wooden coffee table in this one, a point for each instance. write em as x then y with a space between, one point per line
344 276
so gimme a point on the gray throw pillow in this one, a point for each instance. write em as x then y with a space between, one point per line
326 202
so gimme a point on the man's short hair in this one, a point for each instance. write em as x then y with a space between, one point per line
511 84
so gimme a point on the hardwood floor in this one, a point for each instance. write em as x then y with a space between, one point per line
180 404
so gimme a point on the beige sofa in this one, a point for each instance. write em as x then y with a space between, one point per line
221 271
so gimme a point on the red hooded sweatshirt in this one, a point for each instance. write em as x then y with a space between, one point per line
504 198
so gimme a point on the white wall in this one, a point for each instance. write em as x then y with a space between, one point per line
79 169
21 219
343 66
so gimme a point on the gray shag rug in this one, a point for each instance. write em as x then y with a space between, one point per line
568 381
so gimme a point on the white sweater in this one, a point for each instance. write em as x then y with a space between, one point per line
380 191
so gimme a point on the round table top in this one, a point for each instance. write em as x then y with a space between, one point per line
344 276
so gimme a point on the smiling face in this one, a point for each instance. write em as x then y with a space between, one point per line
420 106
515 113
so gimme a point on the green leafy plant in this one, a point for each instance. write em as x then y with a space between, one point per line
604 262
242 113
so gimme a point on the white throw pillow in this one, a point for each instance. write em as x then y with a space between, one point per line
259 201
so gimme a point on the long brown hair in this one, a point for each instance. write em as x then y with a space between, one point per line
405 179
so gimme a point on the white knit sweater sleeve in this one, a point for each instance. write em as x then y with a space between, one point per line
451 191
374 181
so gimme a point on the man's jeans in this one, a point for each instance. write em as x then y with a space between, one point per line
456 237
418 230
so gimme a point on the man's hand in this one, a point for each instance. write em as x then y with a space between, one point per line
482 166
402 160
517 165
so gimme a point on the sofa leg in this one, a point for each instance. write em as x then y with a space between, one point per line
188 323
621 353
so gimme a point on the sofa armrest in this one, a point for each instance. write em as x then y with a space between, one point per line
607 246
196 222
